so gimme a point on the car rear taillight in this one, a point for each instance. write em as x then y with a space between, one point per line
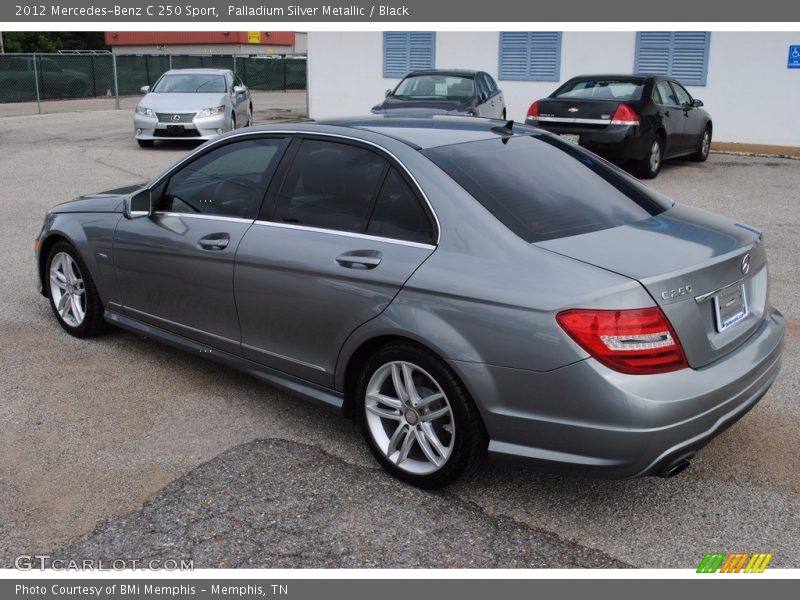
637 341
533 111
625 115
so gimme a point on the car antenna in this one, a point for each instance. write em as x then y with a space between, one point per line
507 129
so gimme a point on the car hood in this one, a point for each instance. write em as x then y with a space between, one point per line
182 102
108 201
397 105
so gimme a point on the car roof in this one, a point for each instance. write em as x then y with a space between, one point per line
457 72
198 71
623 76
415 131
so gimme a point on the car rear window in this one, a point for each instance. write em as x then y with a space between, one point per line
600 89
543 188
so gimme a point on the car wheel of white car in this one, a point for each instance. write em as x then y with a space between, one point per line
233 121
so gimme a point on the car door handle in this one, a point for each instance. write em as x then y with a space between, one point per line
359 259
214 241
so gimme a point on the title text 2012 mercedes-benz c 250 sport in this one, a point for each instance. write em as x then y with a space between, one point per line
454 284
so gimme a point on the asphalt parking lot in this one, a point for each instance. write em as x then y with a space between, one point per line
120 447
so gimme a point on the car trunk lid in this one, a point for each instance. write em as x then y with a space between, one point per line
583 113
708 274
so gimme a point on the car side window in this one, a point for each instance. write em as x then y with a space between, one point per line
229 81
483 86
237 80
330 185
228 181
399 214
492 83
684 99
668 97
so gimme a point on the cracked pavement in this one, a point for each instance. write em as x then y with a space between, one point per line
120 445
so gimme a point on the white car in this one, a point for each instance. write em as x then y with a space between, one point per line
192 104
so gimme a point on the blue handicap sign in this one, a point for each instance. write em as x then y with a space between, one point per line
794 57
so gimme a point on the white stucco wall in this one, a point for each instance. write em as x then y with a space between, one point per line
750 93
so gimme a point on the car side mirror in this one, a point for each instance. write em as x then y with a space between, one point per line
697 103
388 93
139 204
145 89
239 89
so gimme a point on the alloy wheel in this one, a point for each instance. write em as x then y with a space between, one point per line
67 289
655 156
706 143
409 417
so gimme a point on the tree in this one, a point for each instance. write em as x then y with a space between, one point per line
53 41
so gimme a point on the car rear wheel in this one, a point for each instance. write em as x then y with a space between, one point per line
416 416
146 143
233 121
705 146
249 116
650 165
73 295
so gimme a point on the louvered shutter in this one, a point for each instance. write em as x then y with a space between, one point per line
405 51
530 55
679 54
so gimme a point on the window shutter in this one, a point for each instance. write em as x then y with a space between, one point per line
405 51
679 54
530 55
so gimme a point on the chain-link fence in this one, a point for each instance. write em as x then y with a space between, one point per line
42 77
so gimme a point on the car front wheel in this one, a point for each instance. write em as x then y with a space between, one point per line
73 295
417 418
701 155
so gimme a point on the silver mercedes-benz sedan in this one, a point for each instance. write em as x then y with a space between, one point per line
196 104
453 284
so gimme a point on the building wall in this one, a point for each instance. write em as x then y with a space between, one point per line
205 42
224 49
750 93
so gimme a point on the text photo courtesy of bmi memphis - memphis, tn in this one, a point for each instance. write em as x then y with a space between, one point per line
333 296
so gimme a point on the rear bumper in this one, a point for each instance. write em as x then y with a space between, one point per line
612 142
589 419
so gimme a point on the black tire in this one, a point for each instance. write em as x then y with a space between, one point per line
704 146
146 143
648 167
250 117
93 322
504 115
233 121
469 441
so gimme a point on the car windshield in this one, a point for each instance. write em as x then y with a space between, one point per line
190 83
601 89
436 86
542 188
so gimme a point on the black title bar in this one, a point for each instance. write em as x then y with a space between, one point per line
409 11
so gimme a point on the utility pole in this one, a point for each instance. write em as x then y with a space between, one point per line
2 48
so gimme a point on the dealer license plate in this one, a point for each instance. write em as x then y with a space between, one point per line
570 137
730 307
